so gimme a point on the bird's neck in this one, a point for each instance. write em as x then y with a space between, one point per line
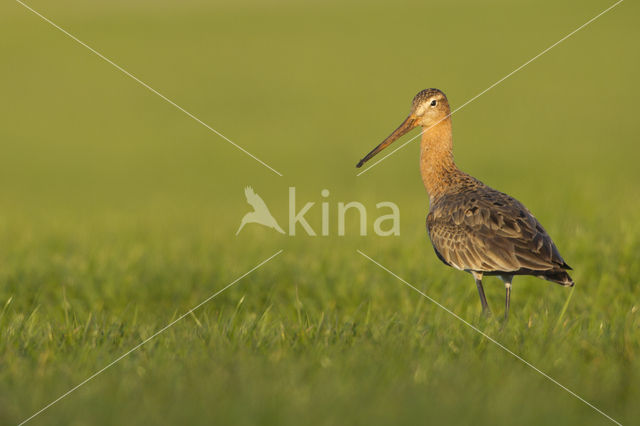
437 167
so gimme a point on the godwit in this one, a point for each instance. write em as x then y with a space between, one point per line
260 213
473 227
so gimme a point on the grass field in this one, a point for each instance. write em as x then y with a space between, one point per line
118 213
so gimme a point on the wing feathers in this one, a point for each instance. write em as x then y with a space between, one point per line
487 231
254 199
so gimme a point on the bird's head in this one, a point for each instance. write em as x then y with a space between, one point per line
428 108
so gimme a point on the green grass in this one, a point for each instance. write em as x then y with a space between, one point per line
118 213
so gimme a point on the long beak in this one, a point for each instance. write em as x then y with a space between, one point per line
409 123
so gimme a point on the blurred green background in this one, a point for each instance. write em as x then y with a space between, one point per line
118 212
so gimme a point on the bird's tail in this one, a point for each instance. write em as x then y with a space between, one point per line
241 226
559 277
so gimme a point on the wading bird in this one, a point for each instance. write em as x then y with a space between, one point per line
260 213
473 227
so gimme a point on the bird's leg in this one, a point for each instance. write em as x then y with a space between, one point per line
483 300
507 285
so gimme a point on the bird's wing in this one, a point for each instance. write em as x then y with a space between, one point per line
254 199
487 231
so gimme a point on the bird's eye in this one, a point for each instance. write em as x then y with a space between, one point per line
434 102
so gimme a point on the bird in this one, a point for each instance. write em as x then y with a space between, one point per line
473 227
260 213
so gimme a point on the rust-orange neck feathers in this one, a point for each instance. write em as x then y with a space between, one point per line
437 167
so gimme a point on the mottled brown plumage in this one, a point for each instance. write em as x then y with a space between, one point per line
476 228
473 227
